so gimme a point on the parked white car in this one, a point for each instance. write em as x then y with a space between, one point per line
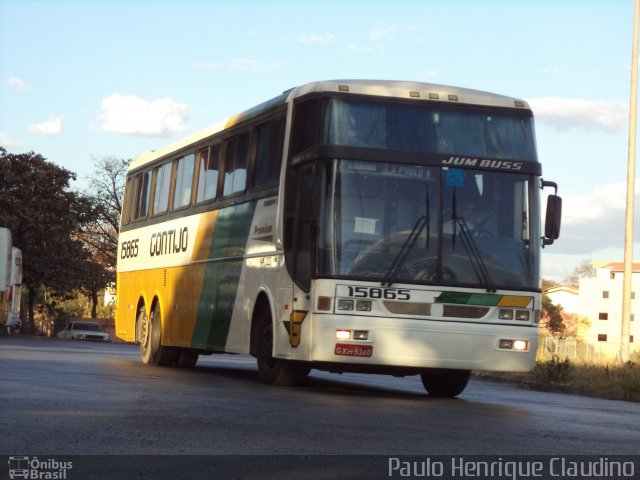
84 331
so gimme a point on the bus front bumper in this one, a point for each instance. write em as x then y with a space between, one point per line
413 343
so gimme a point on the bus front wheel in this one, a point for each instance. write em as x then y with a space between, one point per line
274 371
445 382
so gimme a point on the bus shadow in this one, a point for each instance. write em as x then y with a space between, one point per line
316 384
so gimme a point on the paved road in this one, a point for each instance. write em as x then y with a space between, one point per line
76 398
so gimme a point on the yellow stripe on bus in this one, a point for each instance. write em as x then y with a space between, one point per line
514 301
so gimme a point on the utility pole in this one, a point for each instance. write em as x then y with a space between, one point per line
625 329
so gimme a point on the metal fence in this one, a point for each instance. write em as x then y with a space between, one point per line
572 348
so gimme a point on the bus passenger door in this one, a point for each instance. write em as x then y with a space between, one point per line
301 225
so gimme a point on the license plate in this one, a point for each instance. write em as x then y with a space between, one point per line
349 350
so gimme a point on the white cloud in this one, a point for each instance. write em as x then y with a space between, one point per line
7 142
18 84
553 70
238 65
356 49
243 65
578 113
133 115
599 204
324 38
381 31
50 127
595 221
206 65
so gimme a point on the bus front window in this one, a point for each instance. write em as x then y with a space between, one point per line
490 235
420 224
372 210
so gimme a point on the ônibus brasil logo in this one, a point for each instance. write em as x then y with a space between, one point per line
33 468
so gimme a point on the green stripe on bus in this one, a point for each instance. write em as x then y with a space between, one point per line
222 276
462 298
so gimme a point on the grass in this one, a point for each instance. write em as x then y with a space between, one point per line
609 380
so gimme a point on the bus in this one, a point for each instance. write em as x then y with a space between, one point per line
349 226
10 281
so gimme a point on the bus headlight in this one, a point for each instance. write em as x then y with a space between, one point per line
521 345
343 334
345 305
363 305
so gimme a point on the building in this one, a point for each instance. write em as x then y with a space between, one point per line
600 300
565 296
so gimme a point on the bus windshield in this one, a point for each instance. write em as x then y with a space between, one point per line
392 222
429 129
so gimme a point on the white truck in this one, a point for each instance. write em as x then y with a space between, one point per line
10 281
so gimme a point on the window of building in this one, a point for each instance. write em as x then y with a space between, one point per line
603 316
612 276
602 337
605 294
630 338
142 191
184 179
208 160
633 295
235 164
161 190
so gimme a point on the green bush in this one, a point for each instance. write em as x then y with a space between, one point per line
554 370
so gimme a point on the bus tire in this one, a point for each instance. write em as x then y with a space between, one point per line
444 382
187 358
152 352
274 371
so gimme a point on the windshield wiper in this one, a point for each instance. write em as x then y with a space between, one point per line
389 278
473 252
421 223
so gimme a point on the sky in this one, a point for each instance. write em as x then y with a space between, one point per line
80 80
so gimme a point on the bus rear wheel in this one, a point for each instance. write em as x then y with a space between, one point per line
274 371
152 351
445 382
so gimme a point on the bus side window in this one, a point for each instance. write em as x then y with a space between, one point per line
269 145
235 164
161 189
126 205
208 159
306 125
183 181
142 191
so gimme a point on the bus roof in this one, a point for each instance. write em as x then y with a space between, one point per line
382 88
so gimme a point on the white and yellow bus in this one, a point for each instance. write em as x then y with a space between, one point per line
363 226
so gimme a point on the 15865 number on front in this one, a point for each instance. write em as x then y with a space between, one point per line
374 292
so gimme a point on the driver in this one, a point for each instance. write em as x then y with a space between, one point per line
462 209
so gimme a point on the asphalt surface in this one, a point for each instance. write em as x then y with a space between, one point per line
69 398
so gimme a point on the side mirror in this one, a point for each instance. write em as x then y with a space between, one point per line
552 219
553 215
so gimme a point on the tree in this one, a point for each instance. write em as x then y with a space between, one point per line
106 189
45 218
552 317
584 270
101 235
96 277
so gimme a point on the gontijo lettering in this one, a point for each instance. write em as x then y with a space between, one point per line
169 241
